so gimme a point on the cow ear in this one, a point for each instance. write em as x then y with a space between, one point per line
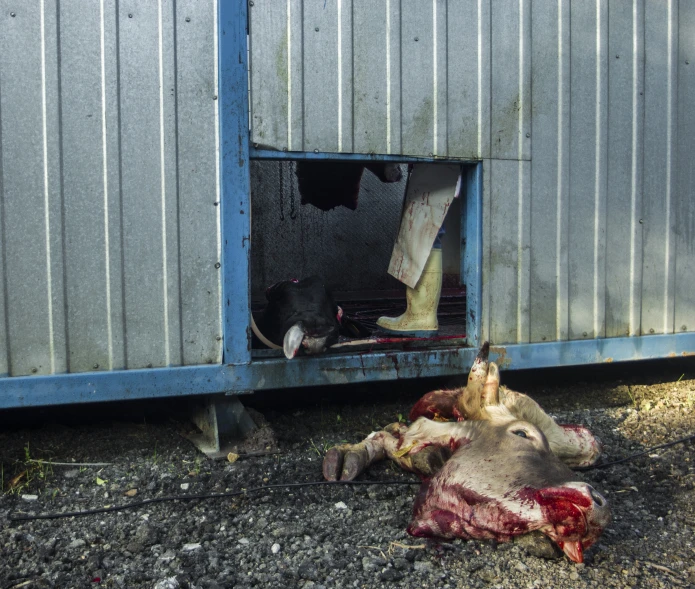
292 341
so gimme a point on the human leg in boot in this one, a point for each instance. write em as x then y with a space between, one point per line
420 317
417 256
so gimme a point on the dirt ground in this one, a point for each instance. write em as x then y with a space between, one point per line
314 537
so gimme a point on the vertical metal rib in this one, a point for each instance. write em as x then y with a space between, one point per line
388 76
107 247
597 164
480 77
218 194
289 76
340 75
520 181
560 292
669 166
165 280
434 76
47 224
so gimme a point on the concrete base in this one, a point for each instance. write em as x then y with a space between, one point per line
223 423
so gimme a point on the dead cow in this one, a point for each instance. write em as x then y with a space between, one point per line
499 472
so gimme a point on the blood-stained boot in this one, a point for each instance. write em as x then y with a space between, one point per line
420 317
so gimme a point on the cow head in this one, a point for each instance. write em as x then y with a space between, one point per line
498 472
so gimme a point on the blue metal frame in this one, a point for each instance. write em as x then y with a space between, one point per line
235 182
330 369
472 251
271 154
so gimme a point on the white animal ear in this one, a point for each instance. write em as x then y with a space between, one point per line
293 339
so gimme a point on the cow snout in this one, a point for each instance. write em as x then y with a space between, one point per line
598 499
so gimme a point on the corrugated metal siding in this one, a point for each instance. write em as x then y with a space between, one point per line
594 236
108 185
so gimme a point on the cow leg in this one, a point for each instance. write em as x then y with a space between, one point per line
348 461
422 448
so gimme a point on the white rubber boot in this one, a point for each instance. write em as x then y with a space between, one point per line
420 317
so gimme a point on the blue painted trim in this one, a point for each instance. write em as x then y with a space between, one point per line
235 182
271 154
593 351
472 252
120 385
332 369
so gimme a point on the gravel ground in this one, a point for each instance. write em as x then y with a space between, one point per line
332 537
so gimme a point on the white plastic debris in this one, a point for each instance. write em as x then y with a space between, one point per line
30 497
191 547
340 505
275 548
185 486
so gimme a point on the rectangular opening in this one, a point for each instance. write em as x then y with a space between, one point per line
350 251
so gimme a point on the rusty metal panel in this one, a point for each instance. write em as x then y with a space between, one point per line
684 190
626 137
108 185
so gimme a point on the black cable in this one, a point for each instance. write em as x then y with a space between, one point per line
633 456
14 517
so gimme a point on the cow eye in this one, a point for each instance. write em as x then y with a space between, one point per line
520 432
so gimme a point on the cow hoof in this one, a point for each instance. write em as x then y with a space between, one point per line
332 464
353 465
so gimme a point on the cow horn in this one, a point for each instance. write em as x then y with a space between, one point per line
292 341
469 402
491 389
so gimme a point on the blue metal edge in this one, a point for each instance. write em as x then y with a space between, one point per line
235 182
272 154
330 369
472 251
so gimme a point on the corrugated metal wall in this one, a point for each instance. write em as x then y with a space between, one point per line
582 112
108 185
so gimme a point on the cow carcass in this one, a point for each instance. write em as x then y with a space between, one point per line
499 472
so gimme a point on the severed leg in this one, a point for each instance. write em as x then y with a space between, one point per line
422 448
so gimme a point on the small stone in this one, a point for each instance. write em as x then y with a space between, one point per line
131 492
423 566
191 547
71 474
185 486
391 575
340 505
77 543
275 548
521 567
170 583
574 576
30 497
308 570
243 541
